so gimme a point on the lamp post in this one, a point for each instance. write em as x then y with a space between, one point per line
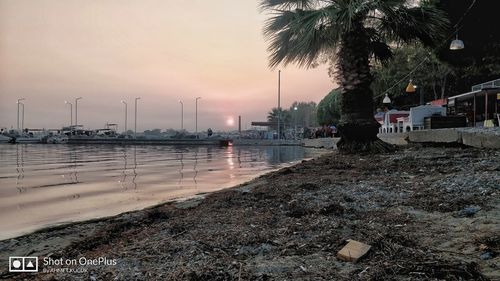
295 130
182 115
196 116
125 103
70 112
76 110
22 119
279 105
18 103
135 123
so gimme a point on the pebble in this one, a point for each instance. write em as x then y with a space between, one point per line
486 256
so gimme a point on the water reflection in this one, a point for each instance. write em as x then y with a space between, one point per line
284 154
134 170
195 165
90 174
180 155
124 172
209 154
73 160
20 168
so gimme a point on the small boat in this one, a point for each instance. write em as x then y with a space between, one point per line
5 139
26 139
57 139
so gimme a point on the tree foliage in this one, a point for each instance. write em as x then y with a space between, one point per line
431 75
350 32
479 61
305 115
329 108
284 118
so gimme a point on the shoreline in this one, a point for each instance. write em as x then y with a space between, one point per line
290 223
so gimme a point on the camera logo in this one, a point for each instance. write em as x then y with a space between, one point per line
23 264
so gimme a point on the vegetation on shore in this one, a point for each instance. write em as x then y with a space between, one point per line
349 33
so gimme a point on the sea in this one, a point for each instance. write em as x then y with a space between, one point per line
49 184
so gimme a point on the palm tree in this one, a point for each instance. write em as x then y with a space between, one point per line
351 32
272 116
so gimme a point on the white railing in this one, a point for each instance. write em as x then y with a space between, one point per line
489 84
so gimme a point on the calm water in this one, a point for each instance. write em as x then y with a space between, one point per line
43 185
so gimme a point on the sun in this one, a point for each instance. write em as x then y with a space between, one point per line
230 121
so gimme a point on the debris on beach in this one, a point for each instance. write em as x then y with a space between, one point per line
353 251
426 214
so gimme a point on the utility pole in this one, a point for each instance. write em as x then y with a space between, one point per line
135 123
279 105
125 103
18 103
196 117
76 110
70 112
22 122
182 114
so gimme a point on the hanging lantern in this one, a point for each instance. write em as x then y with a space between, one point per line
410 88
457 44
386 100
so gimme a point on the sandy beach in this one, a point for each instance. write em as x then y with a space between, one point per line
429 213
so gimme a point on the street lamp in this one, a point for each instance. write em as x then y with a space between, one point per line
22 119
279 105
125 103
182 115
295 130
76 110
196 116
135 123
18 103
70 112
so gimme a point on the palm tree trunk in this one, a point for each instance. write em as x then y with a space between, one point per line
357 127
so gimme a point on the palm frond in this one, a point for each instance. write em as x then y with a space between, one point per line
378 47
299 36
426 24
288 4
380 51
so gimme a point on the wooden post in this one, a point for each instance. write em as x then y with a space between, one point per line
486 106
474 119
239 124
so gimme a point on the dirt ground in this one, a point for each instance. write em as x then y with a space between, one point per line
428 213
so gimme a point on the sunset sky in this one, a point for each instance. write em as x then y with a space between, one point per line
160 50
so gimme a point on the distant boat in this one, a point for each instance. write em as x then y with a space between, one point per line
5 139
57 139
26 139
29 137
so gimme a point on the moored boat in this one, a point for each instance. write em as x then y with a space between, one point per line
5 139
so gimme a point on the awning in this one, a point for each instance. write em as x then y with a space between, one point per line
470 95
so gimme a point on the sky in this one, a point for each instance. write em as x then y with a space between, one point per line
162 51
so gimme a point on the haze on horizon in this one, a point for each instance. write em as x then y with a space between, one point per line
161 51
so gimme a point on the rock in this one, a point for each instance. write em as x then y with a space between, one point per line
486 256
468 211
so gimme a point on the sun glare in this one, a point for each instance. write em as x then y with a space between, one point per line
230 121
